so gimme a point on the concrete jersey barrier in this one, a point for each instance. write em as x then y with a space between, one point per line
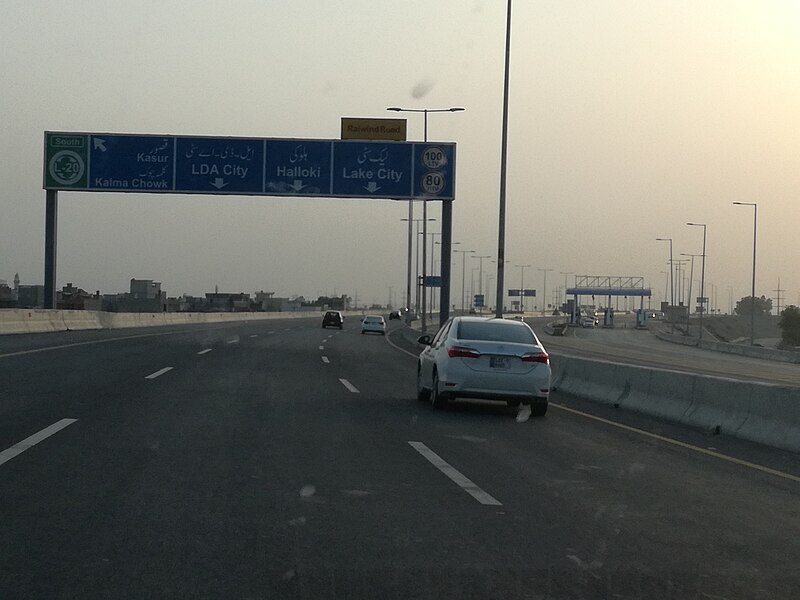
760 412
18 320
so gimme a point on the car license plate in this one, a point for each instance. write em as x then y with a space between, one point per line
498 362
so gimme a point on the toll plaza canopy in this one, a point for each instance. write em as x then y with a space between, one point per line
604 285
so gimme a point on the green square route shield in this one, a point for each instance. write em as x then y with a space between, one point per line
66 164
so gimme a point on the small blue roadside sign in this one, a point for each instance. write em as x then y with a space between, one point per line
479 300
514 292
433 281
529 293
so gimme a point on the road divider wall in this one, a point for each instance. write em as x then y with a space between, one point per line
730 348
19 320
760 412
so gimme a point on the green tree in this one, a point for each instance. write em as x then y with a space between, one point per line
763 306
790 325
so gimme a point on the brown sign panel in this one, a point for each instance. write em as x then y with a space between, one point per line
373 129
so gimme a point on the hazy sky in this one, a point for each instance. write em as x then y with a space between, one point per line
628 118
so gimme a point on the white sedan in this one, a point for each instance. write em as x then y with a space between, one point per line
373 323
493 359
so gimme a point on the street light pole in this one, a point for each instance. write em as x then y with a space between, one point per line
480 275
522 287
753 289
544 291
671 283
702 279
463 271
501 235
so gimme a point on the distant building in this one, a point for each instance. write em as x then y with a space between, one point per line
145 289
30 296
221 302
74 298
7 297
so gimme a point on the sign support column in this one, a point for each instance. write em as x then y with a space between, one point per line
447 240
50 246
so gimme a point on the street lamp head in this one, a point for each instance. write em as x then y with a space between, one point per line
394 108
697 224
456 109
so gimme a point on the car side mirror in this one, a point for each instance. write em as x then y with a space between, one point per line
425 340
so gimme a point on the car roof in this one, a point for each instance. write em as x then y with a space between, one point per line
508 322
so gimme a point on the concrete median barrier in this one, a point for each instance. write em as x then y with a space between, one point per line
764 413
17 320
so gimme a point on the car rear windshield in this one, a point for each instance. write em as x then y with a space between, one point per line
494 331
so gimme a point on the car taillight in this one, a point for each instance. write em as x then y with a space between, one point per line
462 352
536 357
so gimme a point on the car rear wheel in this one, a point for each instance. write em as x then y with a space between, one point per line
438 401
538 409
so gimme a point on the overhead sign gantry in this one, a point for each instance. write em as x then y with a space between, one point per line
146 163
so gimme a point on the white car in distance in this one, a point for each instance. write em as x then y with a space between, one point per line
492 359
373 324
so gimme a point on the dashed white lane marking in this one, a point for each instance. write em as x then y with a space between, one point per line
349 386
159 373
325 360
234 341
322 347
20 447
270 332
667 440
206 351
456 476
255 335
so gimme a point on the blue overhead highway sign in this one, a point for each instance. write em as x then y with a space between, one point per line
250 166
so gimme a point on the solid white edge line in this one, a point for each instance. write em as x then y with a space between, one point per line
455 476
159 373
326 360
396 347
667 440
206 351
31 441
349 386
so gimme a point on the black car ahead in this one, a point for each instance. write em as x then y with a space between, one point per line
333 318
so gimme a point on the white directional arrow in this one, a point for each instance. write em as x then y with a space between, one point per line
219 183
100 144
372 187
297 185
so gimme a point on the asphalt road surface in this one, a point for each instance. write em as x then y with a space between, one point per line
280 460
